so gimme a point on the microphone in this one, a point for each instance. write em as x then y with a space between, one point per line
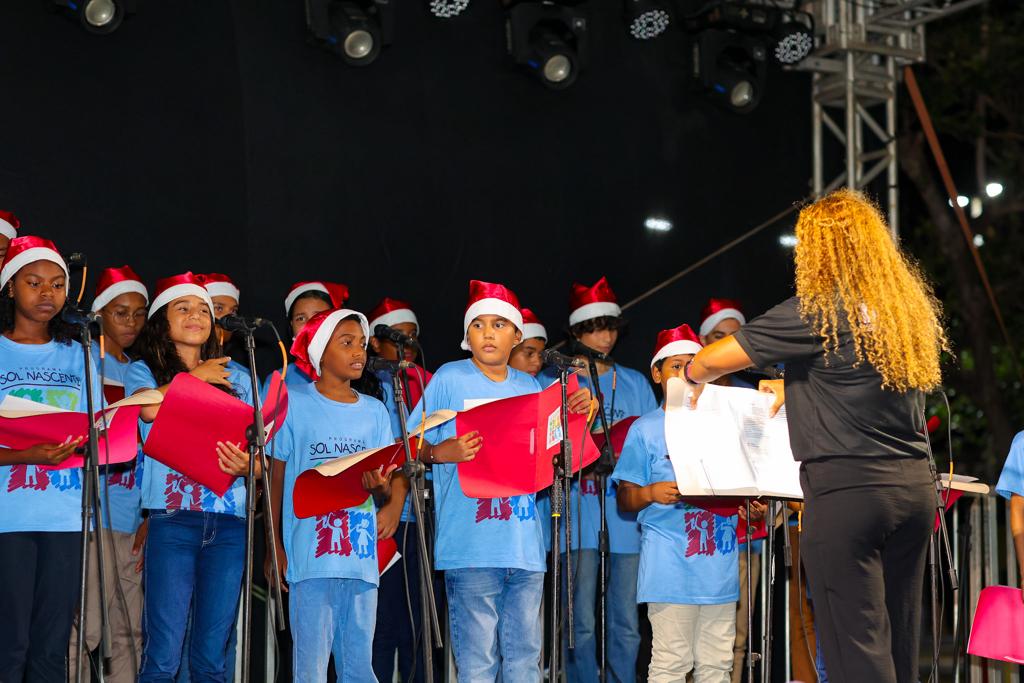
76 261
383 331
375 363
553 357
236 323
73 315
593 354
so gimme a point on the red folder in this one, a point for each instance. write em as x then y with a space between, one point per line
521 435
726 506
387 549
195 416
117 442
998 628
619 431
318 492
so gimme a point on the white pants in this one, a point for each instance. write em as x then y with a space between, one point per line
691 637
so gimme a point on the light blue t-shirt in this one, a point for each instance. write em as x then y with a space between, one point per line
627 393
1011 479
242 372
32 499
341 544
121 482
478 532
166 489
292 379
688 556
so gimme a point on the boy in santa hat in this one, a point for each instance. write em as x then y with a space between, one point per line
688 572
527 355
40 509
490 550
329 561
9 225
595 321
121 300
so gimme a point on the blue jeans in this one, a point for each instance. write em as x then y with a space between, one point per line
581 661
333 616
190 558
184 669
495 620
623 617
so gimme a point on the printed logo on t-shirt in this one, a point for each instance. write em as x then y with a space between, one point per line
344 533
335 447
705 537
503 509
124 478
30 477
211 502
182 493
52 396
589 487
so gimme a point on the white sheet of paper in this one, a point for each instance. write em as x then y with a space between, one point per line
728 446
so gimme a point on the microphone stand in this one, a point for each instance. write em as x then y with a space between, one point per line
257 438
415 471
605 465
91 519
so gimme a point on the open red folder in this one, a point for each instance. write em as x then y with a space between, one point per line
618 431
25 423
998 628
520 437
726 506
387 554
196 415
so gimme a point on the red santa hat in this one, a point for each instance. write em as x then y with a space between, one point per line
678 340
718 310
25 250
177 286
486 298
219 284
308 347
337 292
532 327
117 281
596 301
9 224
392 312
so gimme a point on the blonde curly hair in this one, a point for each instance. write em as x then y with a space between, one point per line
849 267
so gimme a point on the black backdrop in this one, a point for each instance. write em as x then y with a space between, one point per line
207 135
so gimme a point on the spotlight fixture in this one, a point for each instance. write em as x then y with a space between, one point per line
731 68
356 30
794 39
549 39
790 32
446 9
99 16
647 19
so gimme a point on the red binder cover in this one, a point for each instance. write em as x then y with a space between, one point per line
339 484
521 435
619 431
195 416
998 628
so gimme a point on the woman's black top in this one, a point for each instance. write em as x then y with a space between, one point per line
833 407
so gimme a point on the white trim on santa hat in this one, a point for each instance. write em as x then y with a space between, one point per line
117 289
396 317
718 316
318 344
302 289
490 306
596 309
223 289
676 348
176 292
30 256
8 230
534 330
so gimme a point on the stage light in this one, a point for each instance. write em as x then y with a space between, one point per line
961 201
647 19
994 189
788 240
549 39
356 30
731 68
658 224
794 40
979 240
99 16
446 9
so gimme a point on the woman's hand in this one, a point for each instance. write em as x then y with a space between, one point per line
49 453
213 371
138 543
776 387
664 492
458 448
579 401
233 460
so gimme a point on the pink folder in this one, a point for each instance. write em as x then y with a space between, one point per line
318 494
998 628
521 436
618 431
387 548
195 415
